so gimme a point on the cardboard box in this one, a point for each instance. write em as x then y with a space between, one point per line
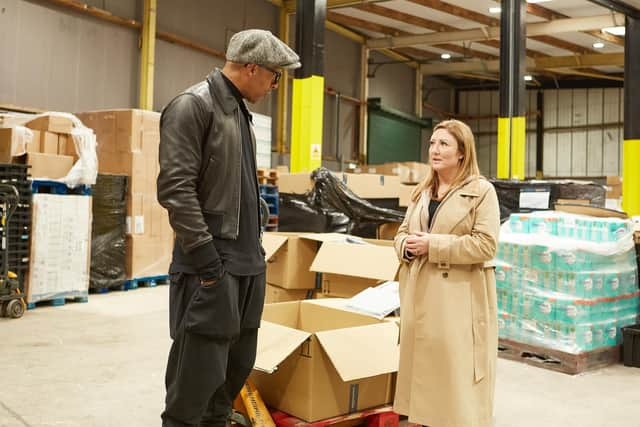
405 194
35 146
315 362
369 186
590 211
49 143
50 166
388 230
295 183
128 144
60 253
14 142
53 123
614 187
368 265
289 256
275 294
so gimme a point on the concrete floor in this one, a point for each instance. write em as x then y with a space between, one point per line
101 364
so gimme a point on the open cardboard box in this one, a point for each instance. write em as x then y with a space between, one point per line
315 361
289 256
348 269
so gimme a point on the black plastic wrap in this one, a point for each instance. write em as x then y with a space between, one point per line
332 207
509 193
109 231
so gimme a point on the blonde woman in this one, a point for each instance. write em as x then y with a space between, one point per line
448 332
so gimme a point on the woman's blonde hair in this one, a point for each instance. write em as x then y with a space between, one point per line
468 164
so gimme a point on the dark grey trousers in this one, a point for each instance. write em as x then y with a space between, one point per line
215 331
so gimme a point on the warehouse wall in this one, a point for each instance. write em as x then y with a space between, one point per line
211 24
77 63
583 131
394 83
55 60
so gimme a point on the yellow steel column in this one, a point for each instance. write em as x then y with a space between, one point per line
511 147
283 89
504 147
518 147
306 124
631 150
364 94
147 55
631 177
307 106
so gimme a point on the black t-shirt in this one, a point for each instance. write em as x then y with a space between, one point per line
243 256
433 206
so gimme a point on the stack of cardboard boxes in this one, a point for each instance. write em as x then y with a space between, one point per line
128 144
407 172
50 151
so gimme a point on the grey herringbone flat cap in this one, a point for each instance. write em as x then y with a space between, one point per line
262 48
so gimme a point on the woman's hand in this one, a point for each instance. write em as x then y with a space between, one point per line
417 244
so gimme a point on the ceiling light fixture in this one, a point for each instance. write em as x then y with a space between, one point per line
528 78
445 56
598 45
616 31
495 9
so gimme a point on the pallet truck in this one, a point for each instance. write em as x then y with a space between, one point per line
11 298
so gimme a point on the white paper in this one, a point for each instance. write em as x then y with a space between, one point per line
377 302
534 199
128 221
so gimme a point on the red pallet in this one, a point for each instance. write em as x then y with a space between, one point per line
382 416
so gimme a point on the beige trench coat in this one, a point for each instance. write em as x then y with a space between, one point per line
448 327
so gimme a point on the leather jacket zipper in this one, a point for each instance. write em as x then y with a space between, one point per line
239 176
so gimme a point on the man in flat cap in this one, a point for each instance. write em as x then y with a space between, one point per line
208 184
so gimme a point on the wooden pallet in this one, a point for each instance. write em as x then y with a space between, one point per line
268 176
556 360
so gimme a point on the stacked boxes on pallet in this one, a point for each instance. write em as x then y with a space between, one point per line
128 144
48 144
108 248
566 282
61 245
20 222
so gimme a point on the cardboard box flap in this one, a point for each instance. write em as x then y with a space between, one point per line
367 261
590 211
275 344
333 237
271 243
346 347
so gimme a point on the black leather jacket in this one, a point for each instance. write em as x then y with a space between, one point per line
200 166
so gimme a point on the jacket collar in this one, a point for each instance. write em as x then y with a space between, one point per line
220 90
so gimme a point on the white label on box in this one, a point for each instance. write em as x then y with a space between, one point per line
128 221
534 199
139 224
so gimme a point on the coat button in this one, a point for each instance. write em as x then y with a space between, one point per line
445 274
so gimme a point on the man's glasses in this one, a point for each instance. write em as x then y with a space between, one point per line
276 74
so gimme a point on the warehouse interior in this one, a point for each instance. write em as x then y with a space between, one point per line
548 88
